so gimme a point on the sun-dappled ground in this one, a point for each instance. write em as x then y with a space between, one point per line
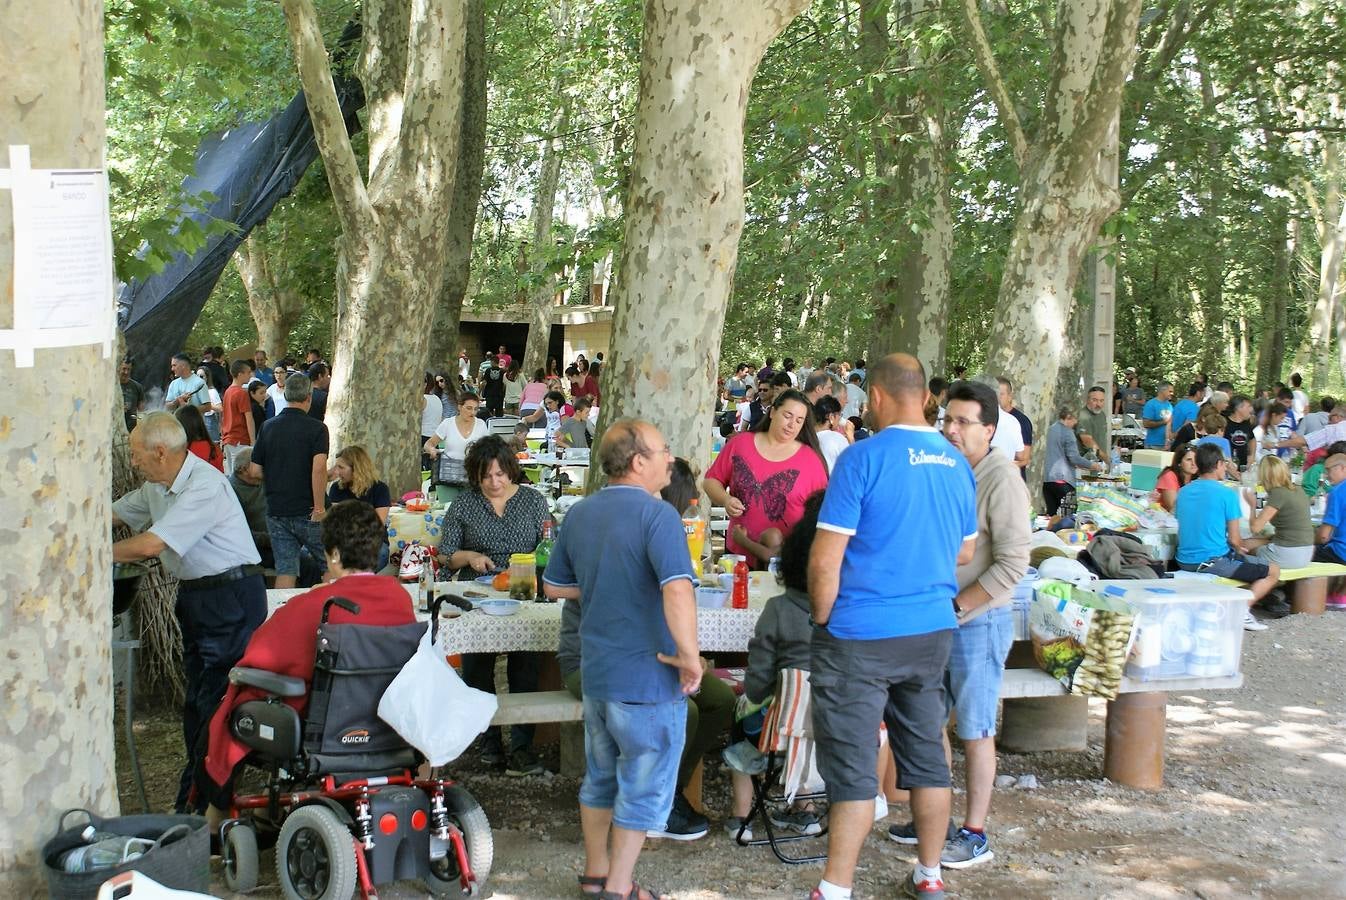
1254 806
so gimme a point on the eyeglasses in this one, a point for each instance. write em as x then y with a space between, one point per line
656 450
960 421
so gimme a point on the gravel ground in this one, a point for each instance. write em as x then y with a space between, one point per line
1253 806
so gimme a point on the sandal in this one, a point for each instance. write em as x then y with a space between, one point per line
592 881
633 894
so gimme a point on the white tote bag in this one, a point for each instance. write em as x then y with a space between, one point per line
431 707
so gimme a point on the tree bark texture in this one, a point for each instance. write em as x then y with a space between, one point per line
541 298
1331 224
684 212
56 700
1271 344
471 164
393 245
1063 200
275 308
911 294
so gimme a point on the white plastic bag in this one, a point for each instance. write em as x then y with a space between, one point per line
432 708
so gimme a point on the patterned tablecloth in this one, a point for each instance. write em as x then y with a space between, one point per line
537 626
413 527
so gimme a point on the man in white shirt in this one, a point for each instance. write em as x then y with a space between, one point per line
1009 436
1301 399
1315 420
855 397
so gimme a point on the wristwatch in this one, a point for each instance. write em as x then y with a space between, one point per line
957 610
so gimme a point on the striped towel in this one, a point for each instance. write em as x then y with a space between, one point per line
788 729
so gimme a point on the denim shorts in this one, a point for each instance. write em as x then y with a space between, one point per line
976 667
288 535
858 684
1233 566
631 755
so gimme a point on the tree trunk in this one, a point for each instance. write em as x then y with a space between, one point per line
1331 216
466 194
1271 345
393 246
911 299
684 212
55 553
1063 198
541 302
275 309
1213 255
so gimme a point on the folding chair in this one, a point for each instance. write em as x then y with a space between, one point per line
787 741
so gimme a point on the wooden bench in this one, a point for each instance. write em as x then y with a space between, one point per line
537 707
1308 586
1133 749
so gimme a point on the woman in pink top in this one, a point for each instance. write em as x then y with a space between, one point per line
1172 479
762 478
533 392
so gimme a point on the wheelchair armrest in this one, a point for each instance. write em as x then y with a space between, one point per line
271 682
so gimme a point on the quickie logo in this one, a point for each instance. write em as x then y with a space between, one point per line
359 736
921 458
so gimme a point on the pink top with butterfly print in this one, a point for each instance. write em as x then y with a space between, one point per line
773 493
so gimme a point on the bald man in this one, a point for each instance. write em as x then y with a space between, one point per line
899 517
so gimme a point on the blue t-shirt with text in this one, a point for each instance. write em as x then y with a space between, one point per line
1203 508
1154 411
620 546
908 500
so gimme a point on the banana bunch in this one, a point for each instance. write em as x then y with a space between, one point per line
1100 671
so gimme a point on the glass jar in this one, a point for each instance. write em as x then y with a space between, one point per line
523 576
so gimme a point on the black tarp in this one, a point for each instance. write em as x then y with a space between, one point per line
249 169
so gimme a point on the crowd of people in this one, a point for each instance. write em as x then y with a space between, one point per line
894 507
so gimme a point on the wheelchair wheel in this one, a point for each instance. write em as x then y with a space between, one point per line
315 856
467 814
240 859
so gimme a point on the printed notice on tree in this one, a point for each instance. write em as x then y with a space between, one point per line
62 258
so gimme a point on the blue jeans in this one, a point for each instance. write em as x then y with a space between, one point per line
976 667
290 534
631 754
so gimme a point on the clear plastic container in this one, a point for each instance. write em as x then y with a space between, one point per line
1186 628
523 576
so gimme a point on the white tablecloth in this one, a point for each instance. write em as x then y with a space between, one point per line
537 626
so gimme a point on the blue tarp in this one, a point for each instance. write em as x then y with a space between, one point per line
249 169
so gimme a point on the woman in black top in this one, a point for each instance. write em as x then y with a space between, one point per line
257 397
493 519
355 478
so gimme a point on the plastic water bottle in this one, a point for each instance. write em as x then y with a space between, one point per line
103 850
1116 457
740 594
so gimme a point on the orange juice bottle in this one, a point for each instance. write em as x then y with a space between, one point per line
695 527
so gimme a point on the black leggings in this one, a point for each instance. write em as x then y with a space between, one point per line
1053 492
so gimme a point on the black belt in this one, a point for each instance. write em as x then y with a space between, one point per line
210 581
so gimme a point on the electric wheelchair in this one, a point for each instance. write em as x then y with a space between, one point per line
341 784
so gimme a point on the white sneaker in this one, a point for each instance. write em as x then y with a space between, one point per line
1250 622
880 808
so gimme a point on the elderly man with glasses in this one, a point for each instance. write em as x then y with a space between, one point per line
1331 536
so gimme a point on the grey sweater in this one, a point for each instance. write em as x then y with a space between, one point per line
780 641
1003 529
1063 454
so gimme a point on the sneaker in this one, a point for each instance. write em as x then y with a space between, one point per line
1250 622
930 889
733 824
684 823
800 821
906 834
965 849
522 763
491 756
744 758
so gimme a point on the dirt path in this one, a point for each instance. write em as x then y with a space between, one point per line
1255 805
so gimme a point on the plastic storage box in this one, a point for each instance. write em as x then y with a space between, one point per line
1146 467
1186 628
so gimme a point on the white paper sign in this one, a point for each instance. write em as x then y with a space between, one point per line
62 259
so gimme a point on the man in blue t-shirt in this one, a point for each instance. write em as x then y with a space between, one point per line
1185 410
1156 415
1331 535
1208 532
898 517
623 555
